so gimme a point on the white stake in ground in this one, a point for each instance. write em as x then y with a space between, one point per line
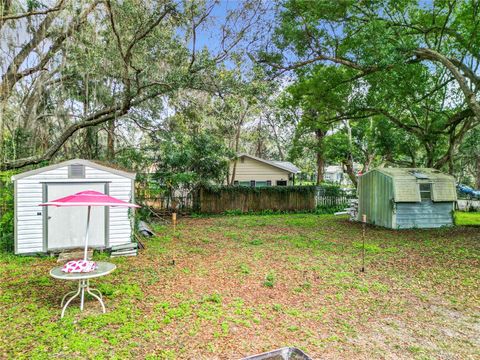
364 222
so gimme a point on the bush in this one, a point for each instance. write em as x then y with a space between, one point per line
218 189
329 209
6 212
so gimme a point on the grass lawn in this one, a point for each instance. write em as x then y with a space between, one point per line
467 218
246 284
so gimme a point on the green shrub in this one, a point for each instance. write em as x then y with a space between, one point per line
269 280
326 209
218 189
6 212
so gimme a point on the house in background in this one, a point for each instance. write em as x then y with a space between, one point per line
335 174
248 170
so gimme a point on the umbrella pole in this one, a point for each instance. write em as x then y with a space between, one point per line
85 254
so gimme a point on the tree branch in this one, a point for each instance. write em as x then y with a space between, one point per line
97 118
470 97
12 76
30 13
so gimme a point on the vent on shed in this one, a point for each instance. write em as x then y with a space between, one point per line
418 174
76 171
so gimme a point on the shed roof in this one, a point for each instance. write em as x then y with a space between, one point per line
405 183
72 162
284 165
415 174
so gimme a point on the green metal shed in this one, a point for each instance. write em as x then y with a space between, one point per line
404 198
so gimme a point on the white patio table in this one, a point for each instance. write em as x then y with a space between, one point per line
103 268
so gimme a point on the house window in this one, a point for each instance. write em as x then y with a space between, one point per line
269 182
252 183
76 171
281 182
425 192
235 182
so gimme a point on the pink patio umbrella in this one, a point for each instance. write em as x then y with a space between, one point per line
88 198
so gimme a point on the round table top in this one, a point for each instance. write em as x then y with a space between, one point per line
103 268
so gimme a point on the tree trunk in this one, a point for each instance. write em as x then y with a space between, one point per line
89 140
276 138
89 143
259 143
234 170
320 135
430 154
237 143
348 163
477 181
369 157
111 140
351 172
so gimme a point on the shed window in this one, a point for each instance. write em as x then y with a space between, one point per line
76 171
281 183
235 182
252 183
269 182
426 192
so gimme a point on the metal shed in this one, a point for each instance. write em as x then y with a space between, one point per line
46 229
403 198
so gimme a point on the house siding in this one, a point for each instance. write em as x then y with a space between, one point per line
29 225
252 169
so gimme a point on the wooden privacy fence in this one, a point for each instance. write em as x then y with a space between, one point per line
245 199
216 200
164 205
164 202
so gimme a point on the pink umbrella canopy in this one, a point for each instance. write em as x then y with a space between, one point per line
89 198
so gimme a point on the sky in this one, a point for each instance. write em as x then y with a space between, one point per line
207 37
210 35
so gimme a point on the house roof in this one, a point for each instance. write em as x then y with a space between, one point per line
284 165
89 163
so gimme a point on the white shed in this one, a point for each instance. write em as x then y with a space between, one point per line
41 229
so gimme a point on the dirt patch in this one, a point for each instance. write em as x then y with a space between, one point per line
249 284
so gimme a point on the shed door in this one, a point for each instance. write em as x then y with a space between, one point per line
67 225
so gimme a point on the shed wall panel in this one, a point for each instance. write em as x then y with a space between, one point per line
375 194
424 215
29 224
29 193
